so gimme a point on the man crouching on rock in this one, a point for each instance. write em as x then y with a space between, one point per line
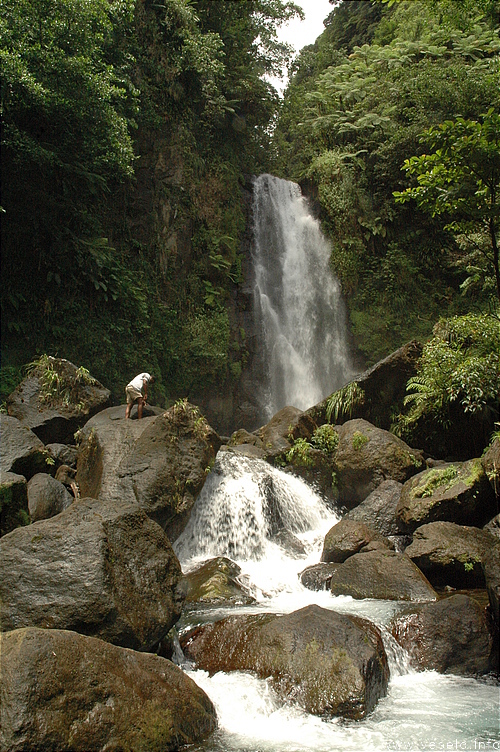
137 391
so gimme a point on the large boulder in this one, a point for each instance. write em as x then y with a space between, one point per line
160 463
21 452
318 576
14 510
99 568
454 492
491 569
450 554
288 424
378 510
450 636
381 574
329 664
62 691
383 388
46 497
56 399
366 456
349 537
216 582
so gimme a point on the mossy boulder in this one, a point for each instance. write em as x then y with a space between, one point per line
64 691
450 554
451 636
454 492
329 664
216 582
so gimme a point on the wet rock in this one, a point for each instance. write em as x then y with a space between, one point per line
288 424
216 582
160 463
327 663
63 691
450 554
55 415
450 636
378 510
289 543
385 575
349 537
99 568
491 465
13 502
46 497
454 492
491 570
318 576
21 452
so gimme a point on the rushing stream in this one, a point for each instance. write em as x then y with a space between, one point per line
422 710
298 305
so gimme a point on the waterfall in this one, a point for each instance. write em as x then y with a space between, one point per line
298 305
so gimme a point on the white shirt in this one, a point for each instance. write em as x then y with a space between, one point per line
138 382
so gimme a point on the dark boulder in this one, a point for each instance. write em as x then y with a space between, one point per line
493 526
491 464
378 510
21 452
451 636
62 691
349 537
327 663
56 399
454 492
366 456
383 388
46 497
318 576
288 424
99 568
14 510
63 454
450 554
381 574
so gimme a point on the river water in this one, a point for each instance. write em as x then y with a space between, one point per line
422 710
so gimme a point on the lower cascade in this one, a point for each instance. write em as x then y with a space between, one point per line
298 306
240 513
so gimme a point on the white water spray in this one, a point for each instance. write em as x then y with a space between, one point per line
297 301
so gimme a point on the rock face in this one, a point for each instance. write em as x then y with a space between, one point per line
13 502
327 663
55 417
98 568
366 456
454 492
159 463
384 386
491 464
450 636
381 574
378 510
450 554
216 582
46 497
349 537
21 452
62 691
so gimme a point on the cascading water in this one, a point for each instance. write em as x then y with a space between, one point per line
298 305
241 505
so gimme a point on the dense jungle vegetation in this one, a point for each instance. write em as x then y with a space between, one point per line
130 128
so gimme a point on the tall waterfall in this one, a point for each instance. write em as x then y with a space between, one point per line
297 301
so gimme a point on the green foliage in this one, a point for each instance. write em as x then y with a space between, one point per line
459 365
325 438
359 440
299 453
342 403
441 478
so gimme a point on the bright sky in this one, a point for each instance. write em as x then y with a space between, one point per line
301 33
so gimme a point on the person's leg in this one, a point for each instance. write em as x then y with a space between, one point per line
140 403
